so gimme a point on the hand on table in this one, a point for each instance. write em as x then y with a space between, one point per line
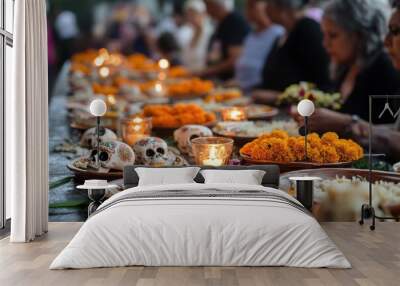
382 137
324 120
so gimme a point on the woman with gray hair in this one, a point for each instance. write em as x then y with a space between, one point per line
354 31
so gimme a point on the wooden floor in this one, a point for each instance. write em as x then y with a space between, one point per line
375 257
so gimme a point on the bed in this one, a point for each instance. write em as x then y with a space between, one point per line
197 224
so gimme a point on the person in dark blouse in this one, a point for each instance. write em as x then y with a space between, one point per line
226 43
296 57
353 37
385 138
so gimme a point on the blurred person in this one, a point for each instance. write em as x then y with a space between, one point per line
297 56
384 138
168 48
194 54
67 30
176 24
314 10
227 41
354 33
257 45
119 16
353 36
392 40
128 29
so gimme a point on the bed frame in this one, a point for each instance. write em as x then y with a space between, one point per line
270 179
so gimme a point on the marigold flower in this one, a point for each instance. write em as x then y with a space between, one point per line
177 115
277 146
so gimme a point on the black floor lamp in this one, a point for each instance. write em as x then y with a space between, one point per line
367 210
305 108
98 108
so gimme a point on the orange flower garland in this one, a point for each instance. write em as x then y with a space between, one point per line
277 146
104 89
177 115
178 71
222 96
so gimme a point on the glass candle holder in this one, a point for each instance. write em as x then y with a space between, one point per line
212 151
134 129
234 114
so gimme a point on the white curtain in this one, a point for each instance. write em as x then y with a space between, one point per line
27 124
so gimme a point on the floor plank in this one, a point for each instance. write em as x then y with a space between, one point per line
375 257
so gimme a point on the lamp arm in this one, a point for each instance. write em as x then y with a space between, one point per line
98 141
305 137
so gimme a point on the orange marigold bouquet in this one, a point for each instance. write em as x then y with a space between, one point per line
174 116
189 87
141 63
178 71
278 146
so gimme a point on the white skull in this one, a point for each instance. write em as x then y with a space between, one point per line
185 134
89 138
114 155
152 151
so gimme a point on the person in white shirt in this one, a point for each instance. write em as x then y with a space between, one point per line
67 30
66 25
194 54
176 25
257 45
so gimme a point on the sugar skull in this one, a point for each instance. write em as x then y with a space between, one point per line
89 138
185 134
152 151
114 155
175 158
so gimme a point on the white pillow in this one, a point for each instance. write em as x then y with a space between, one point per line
247 177
166 176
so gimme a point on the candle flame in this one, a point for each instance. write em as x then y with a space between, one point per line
158 87
137 120
234 114
99 61
111 99
104 72
163 64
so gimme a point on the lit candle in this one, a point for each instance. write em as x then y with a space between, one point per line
213 159
115 60
163 64
111 100
99 61
234 114
104 72
158 89
212 151
131 139
134 129
101 58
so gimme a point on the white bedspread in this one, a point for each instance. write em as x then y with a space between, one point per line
200 231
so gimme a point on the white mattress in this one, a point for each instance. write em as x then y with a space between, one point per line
200 231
